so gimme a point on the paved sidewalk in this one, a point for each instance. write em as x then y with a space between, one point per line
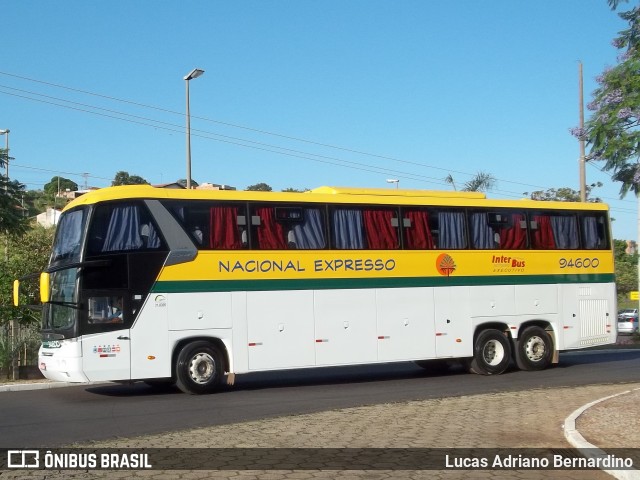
528 419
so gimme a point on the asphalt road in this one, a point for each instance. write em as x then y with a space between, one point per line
74 415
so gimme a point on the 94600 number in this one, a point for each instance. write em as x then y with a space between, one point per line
579 262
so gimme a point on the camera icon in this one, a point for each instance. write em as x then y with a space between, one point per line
23 459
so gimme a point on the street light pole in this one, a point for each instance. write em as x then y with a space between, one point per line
582 172
195 73
394 180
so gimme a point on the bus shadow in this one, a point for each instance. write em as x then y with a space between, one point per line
291 378
362 374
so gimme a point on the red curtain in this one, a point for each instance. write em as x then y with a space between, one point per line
270 232
224 233
543 235
418 235
514 237
381 235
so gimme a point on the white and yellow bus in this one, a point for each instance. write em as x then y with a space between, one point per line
192 286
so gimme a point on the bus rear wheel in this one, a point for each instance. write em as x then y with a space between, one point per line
534 349
491 353
199 368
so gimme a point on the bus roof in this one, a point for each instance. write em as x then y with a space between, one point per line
389 192
380 196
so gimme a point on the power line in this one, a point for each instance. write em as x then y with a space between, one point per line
227 139
244 142
114 114
255 130
28 167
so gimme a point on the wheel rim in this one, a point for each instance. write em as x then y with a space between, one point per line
202 368
535 348
493 352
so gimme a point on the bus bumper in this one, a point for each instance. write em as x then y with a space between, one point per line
61 364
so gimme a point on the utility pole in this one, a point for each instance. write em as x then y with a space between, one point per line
13 324
583 175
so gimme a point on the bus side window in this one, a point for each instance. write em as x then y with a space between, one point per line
501 230
347 229
483 232
227 227
105 309
417 234
594 231
308 233
368 228
513 235
122 227
381 228
268 233
450 229
554 231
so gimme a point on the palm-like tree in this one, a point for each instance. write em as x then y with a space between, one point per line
481 182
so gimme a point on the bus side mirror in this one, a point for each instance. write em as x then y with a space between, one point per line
45 291
16 293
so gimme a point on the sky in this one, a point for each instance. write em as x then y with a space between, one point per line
300 93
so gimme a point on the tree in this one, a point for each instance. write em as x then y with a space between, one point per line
12 218
259 187
183 182
612 131
293 190
123 178
449 179
564 194
60 184
481 182
35 202
626 270
27 253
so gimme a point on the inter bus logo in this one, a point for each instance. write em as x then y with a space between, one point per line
445 264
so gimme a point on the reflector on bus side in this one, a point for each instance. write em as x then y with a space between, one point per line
16 293
45 290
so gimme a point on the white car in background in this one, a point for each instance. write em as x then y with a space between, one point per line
628 321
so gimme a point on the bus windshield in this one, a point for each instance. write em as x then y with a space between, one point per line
66 247
63 305
60 315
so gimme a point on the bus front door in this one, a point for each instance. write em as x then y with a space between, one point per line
107 356
106 345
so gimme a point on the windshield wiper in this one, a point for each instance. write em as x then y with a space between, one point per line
75 305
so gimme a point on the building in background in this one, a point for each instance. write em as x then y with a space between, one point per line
49 218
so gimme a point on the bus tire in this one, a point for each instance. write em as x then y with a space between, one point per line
199 368
534 349
491 353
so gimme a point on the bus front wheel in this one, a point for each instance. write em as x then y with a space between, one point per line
534 349
199 368
491 353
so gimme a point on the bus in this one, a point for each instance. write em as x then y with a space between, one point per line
192 287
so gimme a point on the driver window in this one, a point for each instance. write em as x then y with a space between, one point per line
106 310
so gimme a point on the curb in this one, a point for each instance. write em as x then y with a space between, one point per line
18 387
589 450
